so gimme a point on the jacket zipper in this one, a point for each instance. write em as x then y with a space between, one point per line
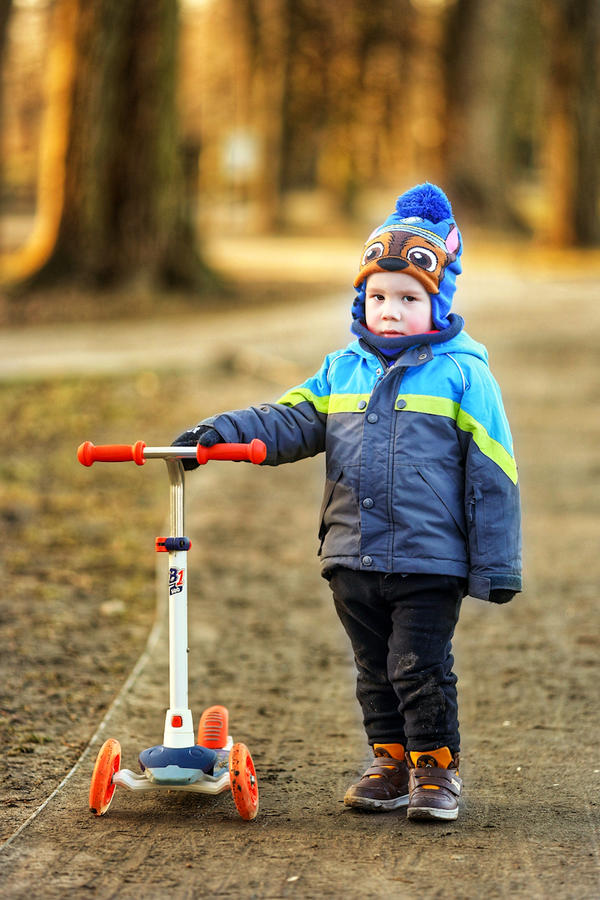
401 370
391 471
471 512
377 353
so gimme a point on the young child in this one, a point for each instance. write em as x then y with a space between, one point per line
421 502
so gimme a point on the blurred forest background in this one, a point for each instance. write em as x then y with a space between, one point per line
133 129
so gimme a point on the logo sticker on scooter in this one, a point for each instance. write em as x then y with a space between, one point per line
176 580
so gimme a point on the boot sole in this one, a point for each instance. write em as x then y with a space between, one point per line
431 812
376 805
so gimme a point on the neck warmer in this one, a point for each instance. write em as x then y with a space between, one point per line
393 347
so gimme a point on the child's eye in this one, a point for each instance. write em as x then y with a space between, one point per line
409 298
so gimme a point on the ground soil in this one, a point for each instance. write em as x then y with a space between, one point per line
79 603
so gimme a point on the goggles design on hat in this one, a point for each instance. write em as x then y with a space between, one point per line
405 248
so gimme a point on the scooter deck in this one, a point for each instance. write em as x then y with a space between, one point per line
206 784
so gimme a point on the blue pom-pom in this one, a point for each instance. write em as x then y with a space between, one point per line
425 200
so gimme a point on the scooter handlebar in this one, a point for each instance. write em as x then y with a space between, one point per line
88 453
254 452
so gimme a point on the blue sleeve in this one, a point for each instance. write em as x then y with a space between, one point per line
293 428
492 501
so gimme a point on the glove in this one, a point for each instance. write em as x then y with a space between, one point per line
200 434
501 595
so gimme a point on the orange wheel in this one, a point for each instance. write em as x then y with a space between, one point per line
244 785
214 727
102 788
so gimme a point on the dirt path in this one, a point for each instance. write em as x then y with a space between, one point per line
264 640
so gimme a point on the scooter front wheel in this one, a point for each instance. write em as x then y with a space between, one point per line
244 785
102 788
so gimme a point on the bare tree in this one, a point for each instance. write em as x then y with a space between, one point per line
123 216
572 169
321 86
484 43
5 7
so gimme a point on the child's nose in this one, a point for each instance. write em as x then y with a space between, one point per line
391 310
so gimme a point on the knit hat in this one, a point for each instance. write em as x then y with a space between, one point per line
420 238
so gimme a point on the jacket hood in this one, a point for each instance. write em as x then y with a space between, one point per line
463 343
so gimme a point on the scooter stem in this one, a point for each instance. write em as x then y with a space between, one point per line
179 727
176 481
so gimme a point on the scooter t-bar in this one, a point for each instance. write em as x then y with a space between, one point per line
88 453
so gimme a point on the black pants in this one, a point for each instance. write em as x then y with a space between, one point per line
401 629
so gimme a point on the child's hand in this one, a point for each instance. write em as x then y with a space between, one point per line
200 434
501 595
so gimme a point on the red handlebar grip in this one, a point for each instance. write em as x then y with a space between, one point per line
88 453
255 452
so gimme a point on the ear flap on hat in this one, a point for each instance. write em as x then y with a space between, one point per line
453 240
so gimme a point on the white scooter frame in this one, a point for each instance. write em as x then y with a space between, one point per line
214 763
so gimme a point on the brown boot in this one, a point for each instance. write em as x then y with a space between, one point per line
434 784
384 786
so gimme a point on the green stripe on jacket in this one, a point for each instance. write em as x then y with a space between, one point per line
421 403
442 406
329 404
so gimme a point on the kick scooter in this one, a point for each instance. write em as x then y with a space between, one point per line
212 763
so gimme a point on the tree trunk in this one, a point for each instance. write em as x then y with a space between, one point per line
587 168
572 173
265 34
5 7
478 60
20 266
124 216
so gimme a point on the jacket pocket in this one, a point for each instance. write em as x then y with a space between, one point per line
448 491
475 509
494 514
339 527
428 511
330 482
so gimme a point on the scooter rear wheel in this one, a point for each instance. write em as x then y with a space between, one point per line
213 728
244 785
102 788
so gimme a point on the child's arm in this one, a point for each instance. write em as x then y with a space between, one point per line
492 503
292 428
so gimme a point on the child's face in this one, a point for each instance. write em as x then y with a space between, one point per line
396 304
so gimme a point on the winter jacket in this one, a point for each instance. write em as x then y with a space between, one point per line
420 471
